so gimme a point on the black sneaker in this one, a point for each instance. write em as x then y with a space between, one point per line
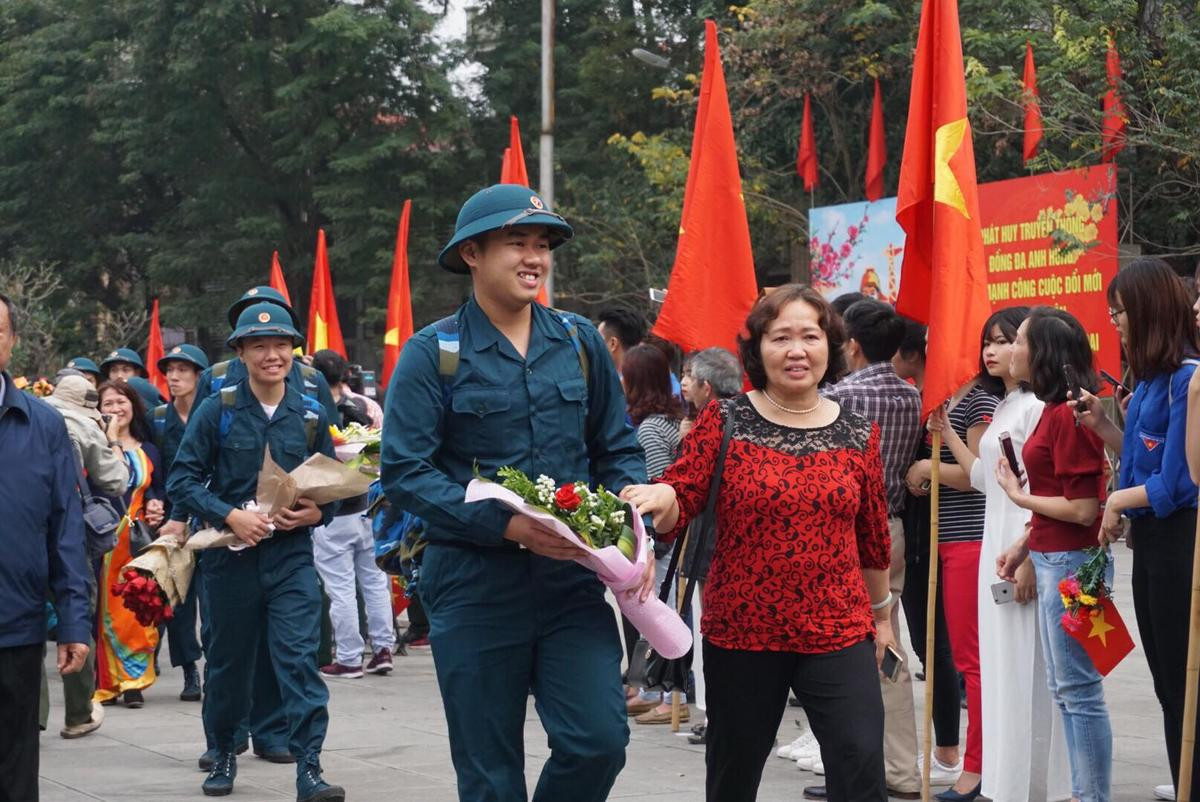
311 787
191 684
133 699
219 781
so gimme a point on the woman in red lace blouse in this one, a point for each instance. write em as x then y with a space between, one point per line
798 587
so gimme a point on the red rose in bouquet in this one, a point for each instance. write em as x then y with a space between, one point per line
568 498
141 595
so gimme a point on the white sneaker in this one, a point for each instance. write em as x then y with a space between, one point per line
1166 792
801 744
939 772
813 764
808 760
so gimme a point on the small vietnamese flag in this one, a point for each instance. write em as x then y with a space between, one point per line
277 283
154 352
806 156
1102 633
712 286
512 168
399 310
1033 110
1112 134
324 331
943 280
876 149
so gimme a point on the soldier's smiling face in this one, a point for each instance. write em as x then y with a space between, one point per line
268 359
509 266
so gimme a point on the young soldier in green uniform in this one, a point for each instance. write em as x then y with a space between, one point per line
266 722
181 366
509 611
268 590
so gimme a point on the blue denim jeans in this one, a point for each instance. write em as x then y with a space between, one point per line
1075 684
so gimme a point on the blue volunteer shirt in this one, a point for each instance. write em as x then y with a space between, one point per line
1152 452
41 529
536 413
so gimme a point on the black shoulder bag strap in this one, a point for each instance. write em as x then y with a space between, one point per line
710 506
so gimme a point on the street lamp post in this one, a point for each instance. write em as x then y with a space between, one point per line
546 147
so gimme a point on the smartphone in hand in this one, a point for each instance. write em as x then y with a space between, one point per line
1002 592
1118 388
1010 454
1076 389
892 663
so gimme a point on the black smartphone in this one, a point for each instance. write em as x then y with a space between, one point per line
1010 454
1072 379
1116 385
892 663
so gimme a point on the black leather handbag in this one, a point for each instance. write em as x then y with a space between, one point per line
647 668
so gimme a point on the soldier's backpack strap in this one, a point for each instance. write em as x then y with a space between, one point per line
159 420
447 340
216 378
309 374
568 322
228 405
312 417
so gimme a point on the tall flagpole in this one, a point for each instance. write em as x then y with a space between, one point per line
1188 736
931 608
546 147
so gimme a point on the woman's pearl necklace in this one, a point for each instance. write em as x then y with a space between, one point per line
781 407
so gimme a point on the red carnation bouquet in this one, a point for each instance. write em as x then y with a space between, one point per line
144 597
155 580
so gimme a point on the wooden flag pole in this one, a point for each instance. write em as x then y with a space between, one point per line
931 609
676 695
1188 741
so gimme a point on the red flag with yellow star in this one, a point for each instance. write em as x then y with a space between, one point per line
944 278
324 330
399 310
1102 633
712 284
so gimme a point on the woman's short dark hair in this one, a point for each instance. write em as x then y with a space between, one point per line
767 309
647 379
138 427
1056 338
1158 316
1009 320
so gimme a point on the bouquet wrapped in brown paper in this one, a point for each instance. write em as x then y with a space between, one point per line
319 478
156 580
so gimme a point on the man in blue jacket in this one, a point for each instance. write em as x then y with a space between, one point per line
507 381
268 589
42 539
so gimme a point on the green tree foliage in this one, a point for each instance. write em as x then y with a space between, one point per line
169 147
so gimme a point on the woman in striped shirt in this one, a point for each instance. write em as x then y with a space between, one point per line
656 413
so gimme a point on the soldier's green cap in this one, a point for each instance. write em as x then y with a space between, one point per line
500 206
122 355
256 295
84 365
265 319
184 353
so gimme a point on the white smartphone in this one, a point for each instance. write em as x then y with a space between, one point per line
1002 592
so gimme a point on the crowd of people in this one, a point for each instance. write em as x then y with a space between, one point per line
794 476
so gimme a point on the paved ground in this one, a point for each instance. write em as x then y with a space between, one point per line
387 739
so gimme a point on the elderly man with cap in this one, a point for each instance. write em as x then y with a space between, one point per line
85 367
507 381
103 462
268 589
181 366
121 363
306 379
